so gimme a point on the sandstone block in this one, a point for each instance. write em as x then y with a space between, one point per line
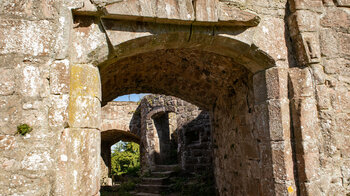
89 42
59 77
29 9
30 82
85 81
10 114
132 9
235 16
37 160
144 37
315 5
279 119
323 99
88 8
343 3
206 10
63 33
329 43
58 111
175 10
270 84
271 29
308 48
7 142
344 46
7 83
82 160
26 37
301 83
279 158
303 21
337 19
84 111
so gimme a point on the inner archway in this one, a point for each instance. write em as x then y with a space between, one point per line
166 143
218 84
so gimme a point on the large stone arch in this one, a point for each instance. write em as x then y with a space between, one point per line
50 81
224 69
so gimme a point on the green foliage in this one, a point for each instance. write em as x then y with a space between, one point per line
126 159
23 129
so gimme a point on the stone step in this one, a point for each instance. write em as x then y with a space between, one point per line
165 167
147 194
155 181
161 174
150 188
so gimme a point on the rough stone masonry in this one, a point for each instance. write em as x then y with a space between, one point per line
274 75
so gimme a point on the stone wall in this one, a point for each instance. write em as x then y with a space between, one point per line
185 122
118 123
276 68
321 43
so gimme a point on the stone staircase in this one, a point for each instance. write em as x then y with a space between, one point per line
157 182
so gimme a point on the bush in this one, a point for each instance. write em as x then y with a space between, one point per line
126 159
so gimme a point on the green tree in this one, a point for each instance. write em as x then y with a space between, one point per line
126 159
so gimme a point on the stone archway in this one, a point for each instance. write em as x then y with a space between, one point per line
211 64
296 51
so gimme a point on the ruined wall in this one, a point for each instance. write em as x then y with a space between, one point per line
184 119
297 52
195 144
118 123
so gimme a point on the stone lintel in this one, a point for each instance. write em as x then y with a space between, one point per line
172 12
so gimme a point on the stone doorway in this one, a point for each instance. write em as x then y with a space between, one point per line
165 139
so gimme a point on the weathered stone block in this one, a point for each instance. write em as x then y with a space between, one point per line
344 46
301 83
132 9
7 142
337 19
343 3
328 43
270 84
89 42
63 33
30 81
59 77
315 5
303 21
38 160
88 8
10 114
7 83
206 10
271 29
323 99
279 119
81 159
144 37
29 9
308 48
235 16
84 112
85 81
58 113
278 159
176 10
26 37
